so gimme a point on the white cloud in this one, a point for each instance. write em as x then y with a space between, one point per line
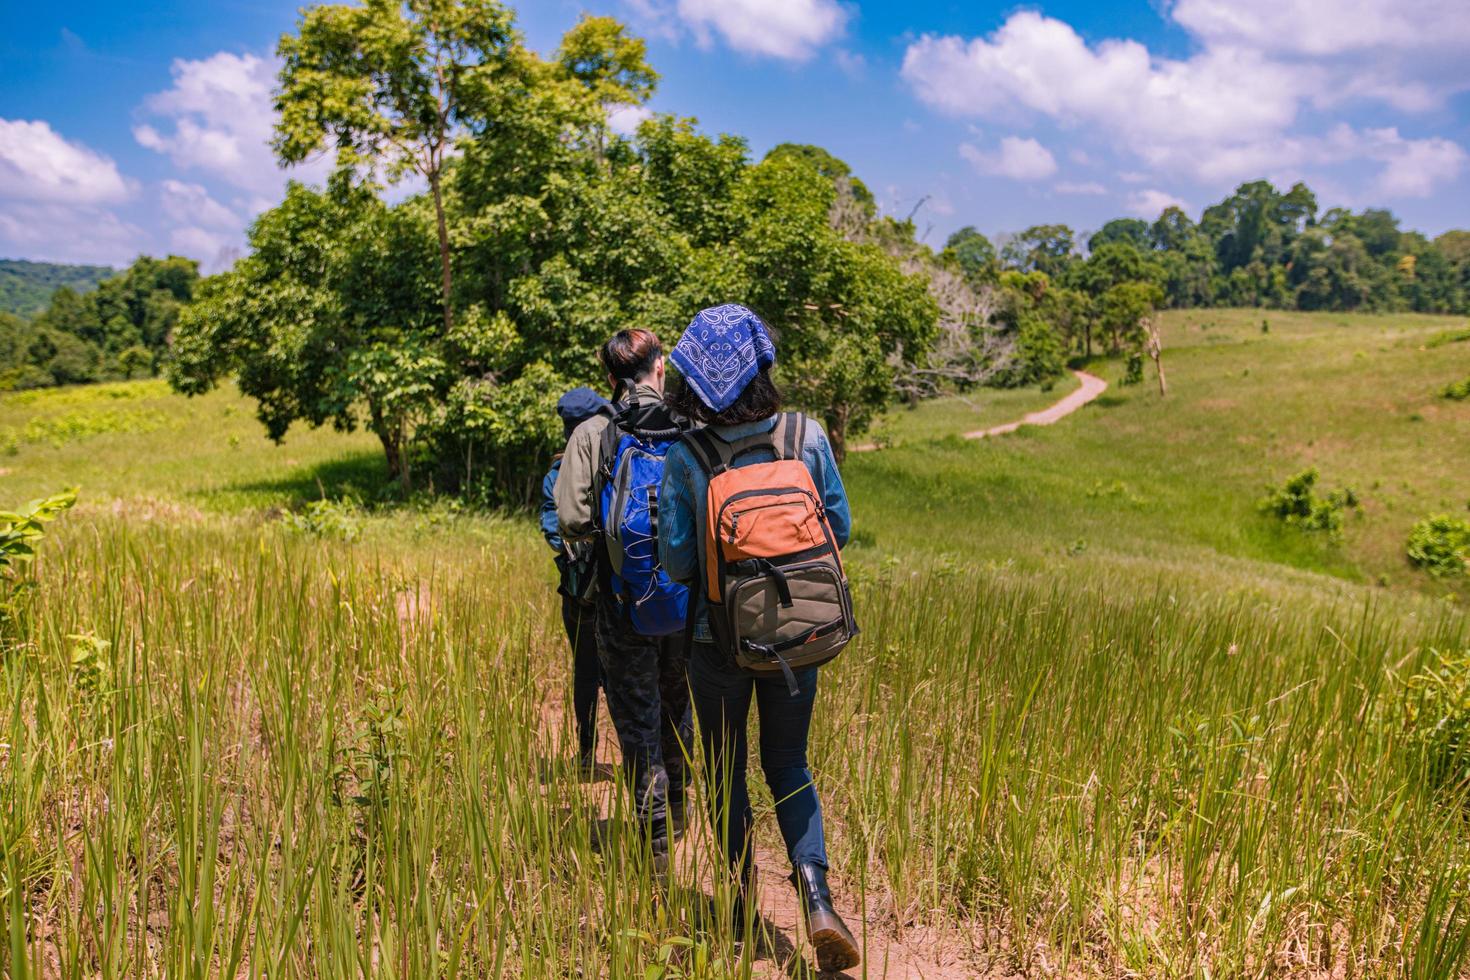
1411 167
1035 64
624 119
37 164
1226 113
223 117
1090 188
788 29
1324 27
1150 203
191 203
215 250
50 232
1018 158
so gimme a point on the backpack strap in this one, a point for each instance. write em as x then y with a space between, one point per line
715 455
790 435
607 453
712 453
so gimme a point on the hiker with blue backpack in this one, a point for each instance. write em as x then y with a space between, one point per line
577 583
607 492
753 516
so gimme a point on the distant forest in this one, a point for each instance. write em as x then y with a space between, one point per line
26 287
99 324
1009 312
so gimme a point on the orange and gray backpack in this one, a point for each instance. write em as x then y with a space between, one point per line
772 576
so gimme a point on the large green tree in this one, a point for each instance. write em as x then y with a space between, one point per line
328 320
390 85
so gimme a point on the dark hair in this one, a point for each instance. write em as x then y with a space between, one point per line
760 400
630 354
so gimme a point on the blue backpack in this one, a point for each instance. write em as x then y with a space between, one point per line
632 472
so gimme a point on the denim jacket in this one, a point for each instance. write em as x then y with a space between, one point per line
550 529
685 487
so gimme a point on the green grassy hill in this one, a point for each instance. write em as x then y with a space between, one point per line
1105 719
26 287
1137 479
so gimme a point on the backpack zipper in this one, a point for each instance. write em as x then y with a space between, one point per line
735 521
821 510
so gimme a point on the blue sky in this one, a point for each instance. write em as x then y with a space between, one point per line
142 128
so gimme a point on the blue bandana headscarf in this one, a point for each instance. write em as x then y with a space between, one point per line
723 348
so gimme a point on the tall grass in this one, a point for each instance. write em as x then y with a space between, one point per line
230 750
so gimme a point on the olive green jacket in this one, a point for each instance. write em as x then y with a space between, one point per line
576 484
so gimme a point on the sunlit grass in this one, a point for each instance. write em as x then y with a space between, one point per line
229 749
1104 718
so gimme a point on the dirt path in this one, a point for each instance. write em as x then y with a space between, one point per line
1092 386
782 952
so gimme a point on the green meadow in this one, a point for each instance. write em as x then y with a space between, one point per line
1105 718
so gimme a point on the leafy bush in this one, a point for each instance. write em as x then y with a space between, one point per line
1298 504
1440 545
1438 717
74 426
20 530
1459 390
1447 337
326 519
1133 372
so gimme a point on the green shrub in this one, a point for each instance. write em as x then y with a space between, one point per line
326 519
20 530
1438 716
1298 504
1459 390
1440 545
1447 337
1133 373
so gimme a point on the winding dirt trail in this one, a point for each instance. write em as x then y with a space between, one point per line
1092 386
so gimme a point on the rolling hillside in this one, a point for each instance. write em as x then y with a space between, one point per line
26 287
1105 718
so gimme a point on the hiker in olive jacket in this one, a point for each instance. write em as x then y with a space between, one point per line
643 677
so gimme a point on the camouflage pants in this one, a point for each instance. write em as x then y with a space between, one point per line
646 683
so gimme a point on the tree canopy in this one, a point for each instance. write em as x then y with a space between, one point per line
559 233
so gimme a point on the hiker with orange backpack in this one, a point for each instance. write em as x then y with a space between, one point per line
753 514
607 493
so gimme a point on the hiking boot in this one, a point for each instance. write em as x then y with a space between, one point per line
835 948
659 845
677 816
587 766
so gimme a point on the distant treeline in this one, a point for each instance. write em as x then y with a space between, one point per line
1258 247
121 329
26 287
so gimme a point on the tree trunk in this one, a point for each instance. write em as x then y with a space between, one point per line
1156 353
448 281
837 433
392 439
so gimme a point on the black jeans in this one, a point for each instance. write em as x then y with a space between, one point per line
580 620
722 695
648 698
